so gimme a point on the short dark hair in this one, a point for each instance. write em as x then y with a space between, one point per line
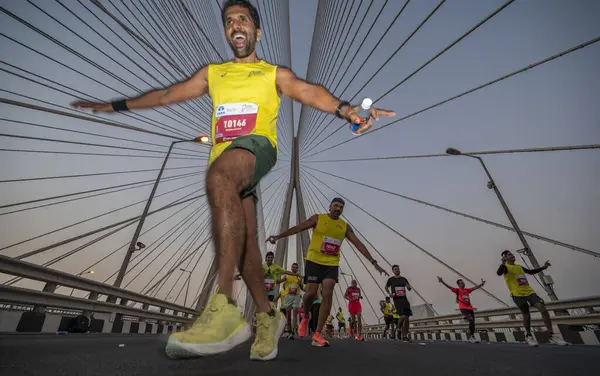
337 199
395 266
244 4
295 264
504 253
458 280
270 254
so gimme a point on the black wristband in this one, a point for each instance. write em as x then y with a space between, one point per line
373 261
338 110
121 105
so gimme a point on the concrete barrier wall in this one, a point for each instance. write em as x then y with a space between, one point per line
588 337
32 322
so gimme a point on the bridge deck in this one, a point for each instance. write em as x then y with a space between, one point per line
144 355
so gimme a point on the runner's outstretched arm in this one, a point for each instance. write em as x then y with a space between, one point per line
194 87
317 97
536 271
479 285
309 223
440 280
362 249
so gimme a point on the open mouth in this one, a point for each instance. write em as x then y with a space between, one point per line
239 39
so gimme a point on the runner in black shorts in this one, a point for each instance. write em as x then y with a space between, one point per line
397 285
386 309
323 260
341 322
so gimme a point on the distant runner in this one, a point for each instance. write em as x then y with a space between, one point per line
329 323
463 298
323 260
388 317
524 296
397 285
354 295
341 322
292 284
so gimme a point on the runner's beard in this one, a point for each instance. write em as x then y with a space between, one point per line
245 51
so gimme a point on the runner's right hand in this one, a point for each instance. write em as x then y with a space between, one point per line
95 107
272 239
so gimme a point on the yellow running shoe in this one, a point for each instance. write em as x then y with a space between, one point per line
268 331
219 329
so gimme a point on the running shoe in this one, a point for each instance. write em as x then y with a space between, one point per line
303 327
531 341
555 340
319 341
219 329
472 339
268 331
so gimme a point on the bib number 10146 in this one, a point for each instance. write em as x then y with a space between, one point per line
234 123
233 120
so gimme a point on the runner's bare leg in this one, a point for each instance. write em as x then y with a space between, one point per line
252 271
230 173
326 300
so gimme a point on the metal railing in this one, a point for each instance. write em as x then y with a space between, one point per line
167 311
505 318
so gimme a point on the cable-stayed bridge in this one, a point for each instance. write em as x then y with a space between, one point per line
106 216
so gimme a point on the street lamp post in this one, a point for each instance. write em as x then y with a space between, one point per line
134 239
188 284
526 249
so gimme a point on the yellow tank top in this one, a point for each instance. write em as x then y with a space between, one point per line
516 280
340 317
326 242
387 309
329 320
291 285
245 101
395 314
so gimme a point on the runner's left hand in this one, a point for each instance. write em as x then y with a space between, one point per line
547 264
381 270
353 118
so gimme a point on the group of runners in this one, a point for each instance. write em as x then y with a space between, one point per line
245 94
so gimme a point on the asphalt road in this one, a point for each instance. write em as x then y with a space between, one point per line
101 355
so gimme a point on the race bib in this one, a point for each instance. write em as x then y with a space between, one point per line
330 246
355 295
269 284
522 280
234 120
292 289
400 291
466 299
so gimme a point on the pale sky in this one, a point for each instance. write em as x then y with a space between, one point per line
552 194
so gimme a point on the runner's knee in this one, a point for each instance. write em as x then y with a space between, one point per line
232 169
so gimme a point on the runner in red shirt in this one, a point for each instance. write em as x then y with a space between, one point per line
463 299
354 295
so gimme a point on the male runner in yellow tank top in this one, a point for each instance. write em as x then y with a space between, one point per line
245 96
323 260
524 296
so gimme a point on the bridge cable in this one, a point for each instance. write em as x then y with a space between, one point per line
89 233
472 90
370 54
413 243
447 48
539 237
489 152
376 251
